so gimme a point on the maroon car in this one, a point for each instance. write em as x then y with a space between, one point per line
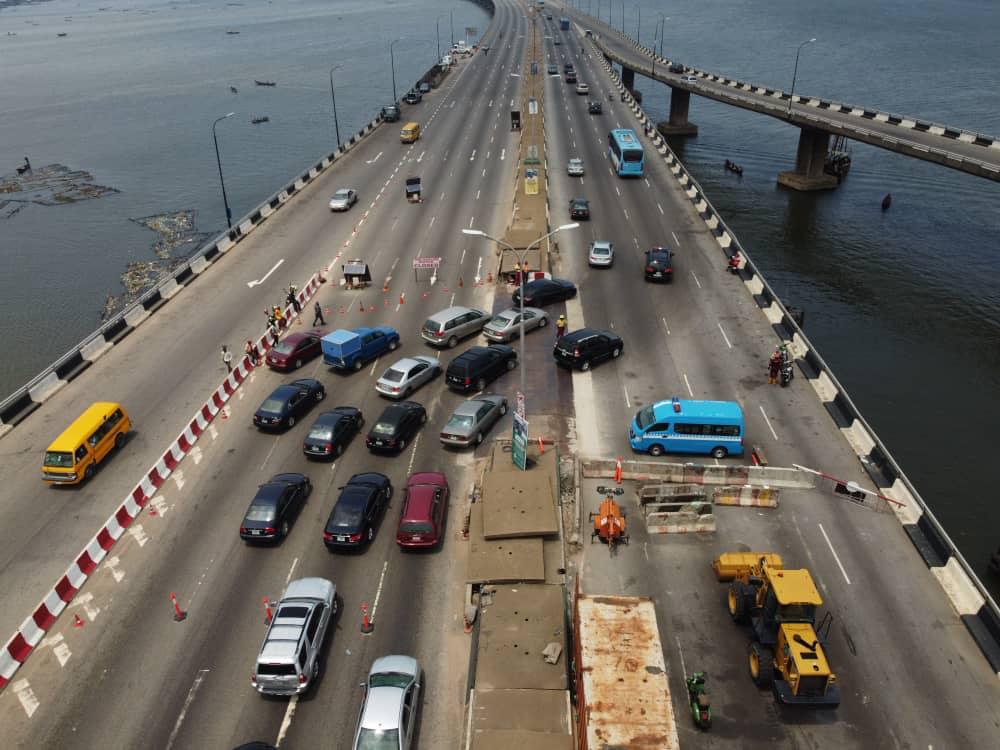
425 502
295 350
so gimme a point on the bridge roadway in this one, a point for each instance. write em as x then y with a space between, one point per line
949 146
132 677
910 673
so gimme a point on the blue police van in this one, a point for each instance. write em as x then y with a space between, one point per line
713 428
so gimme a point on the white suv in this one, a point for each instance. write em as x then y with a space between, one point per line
288 661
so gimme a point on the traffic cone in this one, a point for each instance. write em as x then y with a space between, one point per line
77 622
366 624
361 307
267 611
178 614
461 283
385 286
402 298
618 470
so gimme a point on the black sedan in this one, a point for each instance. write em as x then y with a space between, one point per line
595 107
585 347
332 431
358 510
542 292
275 507
396 427
288 402
579 208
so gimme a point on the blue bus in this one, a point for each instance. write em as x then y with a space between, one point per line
712 428
627 156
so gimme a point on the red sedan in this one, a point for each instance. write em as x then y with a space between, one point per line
295 350
425 503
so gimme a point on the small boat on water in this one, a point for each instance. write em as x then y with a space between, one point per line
234 89
63 33
887 201
232 32
734 167
265 83
259 120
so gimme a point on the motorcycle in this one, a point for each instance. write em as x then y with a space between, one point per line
701 705
787 372
733 266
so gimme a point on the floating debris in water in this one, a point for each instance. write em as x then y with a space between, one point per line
51 185
177 240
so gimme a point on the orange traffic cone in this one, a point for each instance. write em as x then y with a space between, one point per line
461 283
402 299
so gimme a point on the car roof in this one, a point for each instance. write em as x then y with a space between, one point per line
600 243
331 417
305 383
660 249
382 708
297 336
269 493
451 312
407 363
467 408
585 333
418 502
284 391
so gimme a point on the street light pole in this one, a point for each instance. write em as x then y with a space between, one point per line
623 17
663 21
638 22
520 272
392 64
795 73
437 29
333 97
452 27
218 160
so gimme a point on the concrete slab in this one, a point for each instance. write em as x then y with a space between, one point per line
503 560
552 556
498 739
515 626
519 504
529 711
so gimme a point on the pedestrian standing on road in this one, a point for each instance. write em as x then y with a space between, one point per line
560 326
251 352
292 298
279 317
274 330
227 358
318 314
774 367
269 312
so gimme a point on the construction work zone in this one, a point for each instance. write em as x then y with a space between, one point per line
691 473
530 220
676 509
622 691
786 651
746 495
519 693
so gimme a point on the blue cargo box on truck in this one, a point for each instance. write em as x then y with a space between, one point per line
351 349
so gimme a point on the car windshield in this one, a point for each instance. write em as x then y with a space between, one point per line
384 428
378 739
460 421
601 250
645 418
390 679
283 347
342 195
321 432
273 405
501 320
393 375
575 163
346 515
58 458
260 513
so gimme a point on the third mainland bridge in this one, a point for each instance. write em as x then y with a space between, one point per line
818 119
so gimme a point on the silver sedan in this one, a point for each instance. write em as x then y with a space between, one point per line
506 325
343 199
408 374
473 419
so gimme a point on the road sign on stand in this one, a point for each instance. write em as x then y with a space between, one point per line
519 439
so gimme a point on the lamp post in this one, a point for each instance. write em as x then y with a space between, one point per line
663 21
520 272
437 29
638 22
623 17
333 98
795 72
218 160
452 27
392 64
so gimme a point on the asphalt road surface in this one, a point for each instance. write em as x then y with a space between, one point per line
129 676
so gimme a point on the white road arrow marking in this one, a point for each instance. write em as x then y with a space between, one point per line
261 280
372 161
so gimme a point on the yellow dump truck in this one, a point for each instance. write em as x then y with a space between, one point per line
786 652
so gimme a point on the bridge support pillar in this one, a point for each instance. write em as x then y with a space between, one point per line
809 160
680 100
628 78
